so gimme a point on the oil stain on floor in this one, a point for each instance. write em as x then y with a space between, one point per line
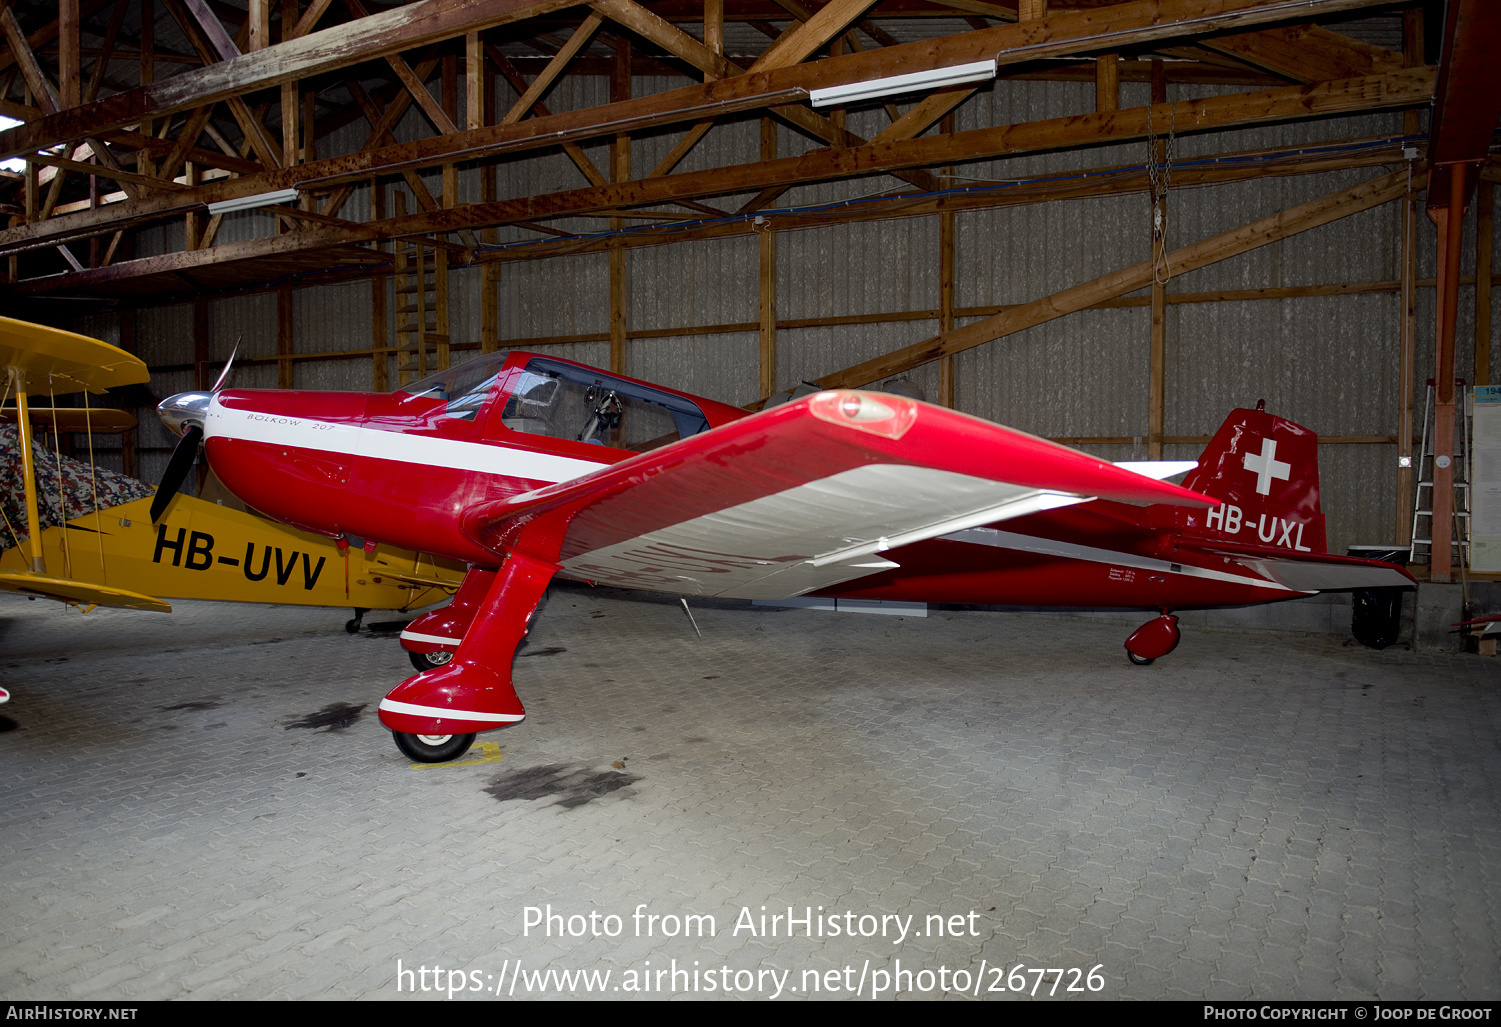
571 784
333 717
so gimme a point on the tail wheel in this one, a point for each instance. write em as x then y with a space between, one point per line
433 748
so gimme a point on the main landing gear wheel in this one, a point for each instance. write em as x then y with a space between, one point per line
427 661
1140 661
433 748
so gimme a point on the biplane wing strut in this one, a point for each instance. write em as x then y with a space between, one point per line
33 354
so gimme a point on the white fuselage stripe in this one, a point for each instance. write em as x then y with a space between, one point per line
392 706
417 636
1074 551
423 450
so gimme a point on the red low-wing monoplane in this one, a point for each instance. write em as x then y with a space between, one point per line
527 467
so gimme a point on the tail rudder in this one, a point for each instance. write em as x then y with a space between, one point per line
1265 471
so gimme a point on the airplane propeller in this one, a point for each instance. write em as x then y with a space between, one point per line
184 412
178 467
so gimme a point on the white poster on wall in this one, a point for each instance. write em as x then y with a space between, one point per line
1485 481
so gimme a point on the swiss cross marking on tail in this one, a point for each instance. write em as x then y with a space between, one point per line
1267 466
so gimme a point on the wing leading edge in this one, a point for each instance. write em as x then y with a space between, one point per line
803 497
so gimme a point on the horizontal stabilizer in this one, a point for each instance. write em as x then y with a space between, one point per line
1310 572
1158 470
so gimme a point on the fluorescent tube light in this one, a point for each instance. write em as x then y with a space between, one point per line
935 78
251 202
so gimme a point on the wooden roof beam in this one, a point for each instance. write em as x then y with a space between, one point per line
512 75
43 92
113 174
1079 31
309 19
675 41
1398 89
339 46
157 147
555 67
101 63
1306 53
186 139
976 7
881 36
413 180
1081 185
49 32
212 29
414 85
827 22
1086 183
382 118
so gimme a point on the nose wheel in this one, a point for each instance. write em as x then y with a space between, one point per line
427 661
433 748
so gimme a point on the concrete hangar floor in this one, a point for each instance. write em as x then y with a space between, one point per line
203 805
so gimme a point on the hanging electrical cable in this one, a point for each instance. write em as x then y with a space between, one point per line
1160 179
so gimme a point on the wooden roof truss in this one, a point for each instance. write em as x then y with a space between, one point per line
135 113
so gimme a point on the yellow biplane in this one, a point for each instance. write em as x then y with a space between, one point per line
36 358
198 549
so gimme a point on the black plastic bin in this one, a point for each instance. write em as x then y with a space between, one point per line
1376 613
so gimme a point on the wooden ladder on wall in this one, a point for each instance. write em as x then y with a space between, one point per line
421 274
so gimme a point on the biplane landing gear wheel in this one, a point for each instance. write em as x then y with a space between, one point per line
353 624
433 748
427 661
1140 661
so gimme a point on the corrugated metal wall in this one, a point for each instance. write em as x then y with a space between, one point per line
1327 362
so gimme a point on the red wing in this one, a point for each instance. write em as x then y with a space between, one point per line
804 496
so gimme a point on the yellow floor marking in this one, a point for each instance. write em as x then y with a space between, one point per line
490 749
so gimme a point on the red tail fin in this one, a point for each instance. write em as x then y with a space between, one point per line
1265 469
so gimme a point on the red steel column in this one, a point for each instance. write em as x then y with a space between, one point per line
1450 222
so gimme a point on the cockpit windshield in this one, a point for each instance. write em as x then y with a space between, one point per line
464 388
567 402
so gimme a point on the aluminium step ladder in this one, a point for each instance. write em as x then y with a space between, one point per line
1460 540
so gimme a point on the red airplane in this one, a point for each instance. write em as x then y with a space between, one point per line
528 466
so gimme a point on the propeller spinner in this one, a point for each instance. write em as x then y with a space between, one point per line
184 414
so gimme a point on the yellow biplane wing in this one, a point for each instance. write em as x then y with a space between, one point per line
36 357
78 593
96 421
40 355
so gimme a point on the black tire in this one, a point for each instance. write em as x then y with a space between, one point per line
433 748
427 661
1140 661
